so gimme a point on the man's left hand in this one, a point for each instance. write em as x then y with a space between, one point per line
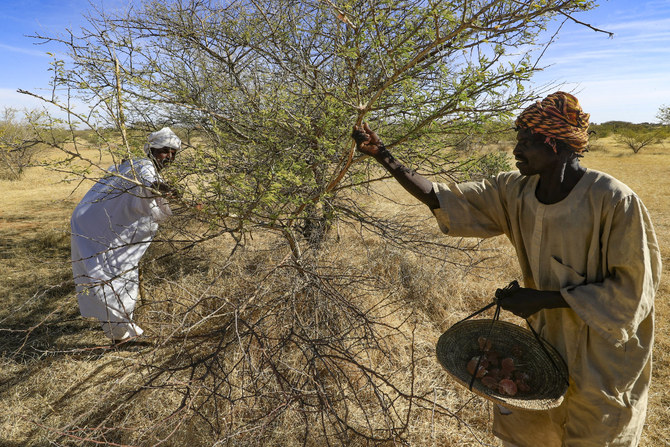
524 302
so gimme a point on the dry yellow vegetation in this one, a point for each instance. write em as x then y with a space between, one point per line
54 375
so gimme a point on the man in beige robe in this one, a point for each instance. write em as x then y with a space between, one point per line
591 266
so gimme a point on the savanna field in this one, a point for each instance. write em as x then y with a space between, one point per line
199 380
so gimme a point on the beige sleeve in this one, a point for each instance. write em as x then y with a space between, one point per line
471 209
617 305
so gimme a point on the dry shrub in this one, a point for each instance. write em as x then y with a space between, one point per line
286 352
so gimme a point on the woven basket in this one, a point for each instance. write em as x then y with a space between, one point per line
547 382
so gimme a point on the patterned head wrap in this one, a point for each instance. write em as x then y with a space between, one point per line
558 116
162 138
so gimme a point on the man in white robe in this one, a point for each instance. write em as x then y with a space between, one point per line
112 228
590 263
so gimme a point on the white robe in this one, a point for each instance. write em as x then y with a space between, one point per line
112 228
598 248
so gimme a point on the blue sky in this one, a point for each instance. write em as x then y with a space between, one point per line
626 77
25 65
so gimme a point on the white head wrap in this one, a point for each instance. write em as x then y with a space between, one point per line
162 138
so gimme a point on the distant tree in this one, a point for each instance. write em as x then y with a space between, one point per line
639 137
18 144
664 115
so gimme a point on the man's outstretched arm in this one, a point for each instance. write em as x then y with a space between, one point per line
369 143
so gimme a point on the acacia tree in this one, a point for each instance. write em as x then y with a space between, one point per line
275 88
636 138
18 144
664 114
270 91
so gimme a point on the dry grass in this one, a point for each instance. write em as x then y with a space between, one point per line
57 383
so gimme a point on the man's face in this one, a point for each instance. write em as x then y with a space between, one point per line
163 156
532 154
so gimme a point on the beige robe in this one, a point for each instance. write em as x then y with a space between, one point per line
598 248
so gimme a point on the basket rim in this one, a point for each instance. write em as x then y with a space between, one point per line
548 369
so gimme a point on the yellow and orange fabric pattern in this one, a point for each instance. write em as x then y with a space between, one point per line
558 116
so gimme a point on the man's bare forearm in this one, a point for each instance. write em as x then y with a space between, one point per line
369 143
417 185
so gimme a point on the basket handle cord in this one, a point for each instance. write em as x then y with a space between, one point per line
500 295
